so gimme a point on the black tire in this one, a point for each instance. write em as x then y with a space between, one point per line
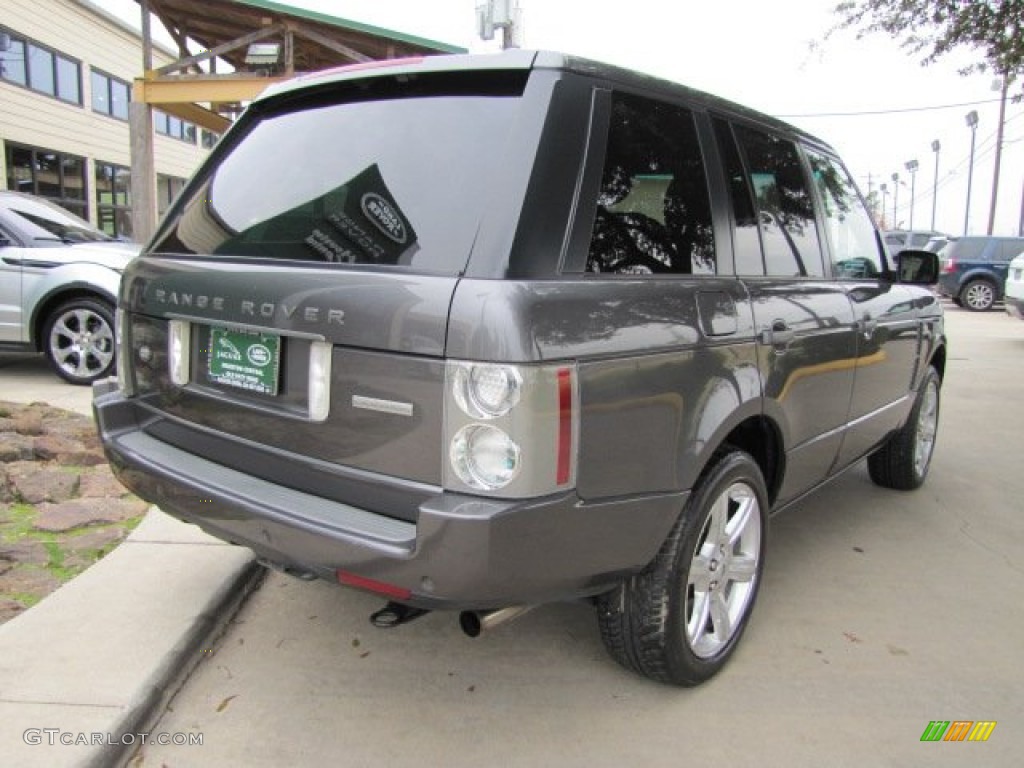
978 295
644 622
902 462
78 340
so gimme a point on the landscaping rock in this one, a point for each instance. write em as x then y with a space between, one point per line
100 482
53 469
28 551
15 447
34 484
28 423
28 580
68 452
77 513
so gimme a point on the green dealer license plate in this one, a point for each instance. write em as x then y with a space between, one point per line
247 360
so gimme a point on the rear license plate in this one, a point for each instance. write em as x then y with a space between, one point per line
248 360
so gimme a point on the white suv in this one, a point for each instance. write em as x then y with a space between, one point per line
59 278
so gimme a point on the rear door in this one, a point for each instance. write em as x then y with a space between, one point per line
885 313
803 318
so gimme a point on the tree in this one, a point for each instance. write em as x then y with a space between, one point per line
993 28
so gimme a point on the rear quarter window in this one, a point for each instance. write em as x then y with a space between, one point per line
653 208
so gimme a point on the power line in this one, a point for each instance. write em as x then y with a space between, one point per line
891 111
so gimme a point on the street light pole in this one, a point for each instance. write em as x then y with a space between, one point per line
972 123
895 199
885 194
935 184
911 165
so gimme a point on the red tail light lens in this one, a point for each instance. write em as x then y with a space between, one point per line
948 265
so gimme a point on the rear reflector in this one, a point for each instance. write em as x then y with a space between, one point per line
564 426
361 582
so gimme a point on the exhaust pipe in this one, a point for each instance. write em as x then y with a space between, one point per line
474 623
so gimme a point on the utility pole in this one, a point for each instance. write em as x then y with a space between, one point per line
999 152
935 184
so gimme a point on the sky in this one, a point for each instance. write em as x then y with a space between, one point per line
762 54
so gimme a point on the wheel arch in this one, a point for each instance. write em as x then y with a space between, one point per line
45 306
760 437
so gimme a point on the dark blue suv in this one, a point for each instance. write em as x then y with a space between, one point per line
973 270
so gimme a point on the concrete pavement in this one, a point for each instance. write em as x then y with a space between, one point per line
880 612
88 666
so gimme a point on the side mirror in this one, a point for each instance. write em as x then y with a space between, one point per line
917 267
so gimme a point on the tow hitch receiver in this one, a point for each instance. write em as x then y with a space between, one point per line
393 614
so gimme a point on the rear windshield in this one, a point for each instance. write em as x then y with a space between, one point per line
399 181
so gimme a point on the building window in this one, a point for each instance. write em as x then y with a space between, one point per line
110 96
40 68
54 175
113 199
168 125
167 189
209 139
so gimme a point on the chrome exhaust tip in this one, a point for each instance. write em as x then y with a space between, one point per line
475 623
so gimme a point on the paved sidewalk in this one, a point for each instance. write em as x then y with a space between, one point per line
97 657
89 665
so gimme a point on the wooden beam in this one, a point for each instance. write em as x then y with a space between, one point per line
327 42
201 116
182 89
231 45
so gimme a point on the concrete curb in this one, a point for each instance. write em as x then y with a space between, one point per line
90 666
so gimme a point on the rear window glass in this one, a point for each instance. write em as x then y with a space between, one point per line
397 182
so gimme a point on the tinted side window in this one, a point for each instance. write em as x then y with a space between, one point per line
746 238
785 209
653 209
916 241
848 225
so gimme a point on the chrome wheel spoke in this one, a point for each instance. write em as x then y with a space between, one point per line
743 569
697 621
721 622
739 521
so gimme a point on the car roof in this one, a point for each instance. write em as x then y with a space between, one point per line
525 60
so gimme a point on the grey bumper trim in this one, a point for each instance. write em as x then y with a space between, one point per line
216 478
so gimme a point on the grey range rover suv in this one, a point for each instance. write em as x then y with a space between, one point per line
484 332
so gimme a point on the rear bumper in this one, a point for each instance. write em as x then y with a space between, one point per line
463 552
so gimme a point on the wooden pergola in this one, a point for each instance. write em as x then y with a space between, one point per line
260 42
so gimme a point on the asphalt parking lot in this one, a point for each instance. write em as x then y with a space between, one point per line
880 612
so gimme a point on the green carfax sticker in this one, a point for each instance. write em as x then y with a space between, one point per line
247 360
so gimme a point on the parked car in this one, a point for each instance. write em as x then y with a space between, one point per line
973 269
515 329
897 240
1014 298
59 279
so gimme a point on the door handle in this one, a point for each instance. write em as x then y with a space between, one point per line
778 335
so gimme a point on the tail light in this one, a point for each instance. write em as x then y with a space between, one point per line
510 430
948 265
